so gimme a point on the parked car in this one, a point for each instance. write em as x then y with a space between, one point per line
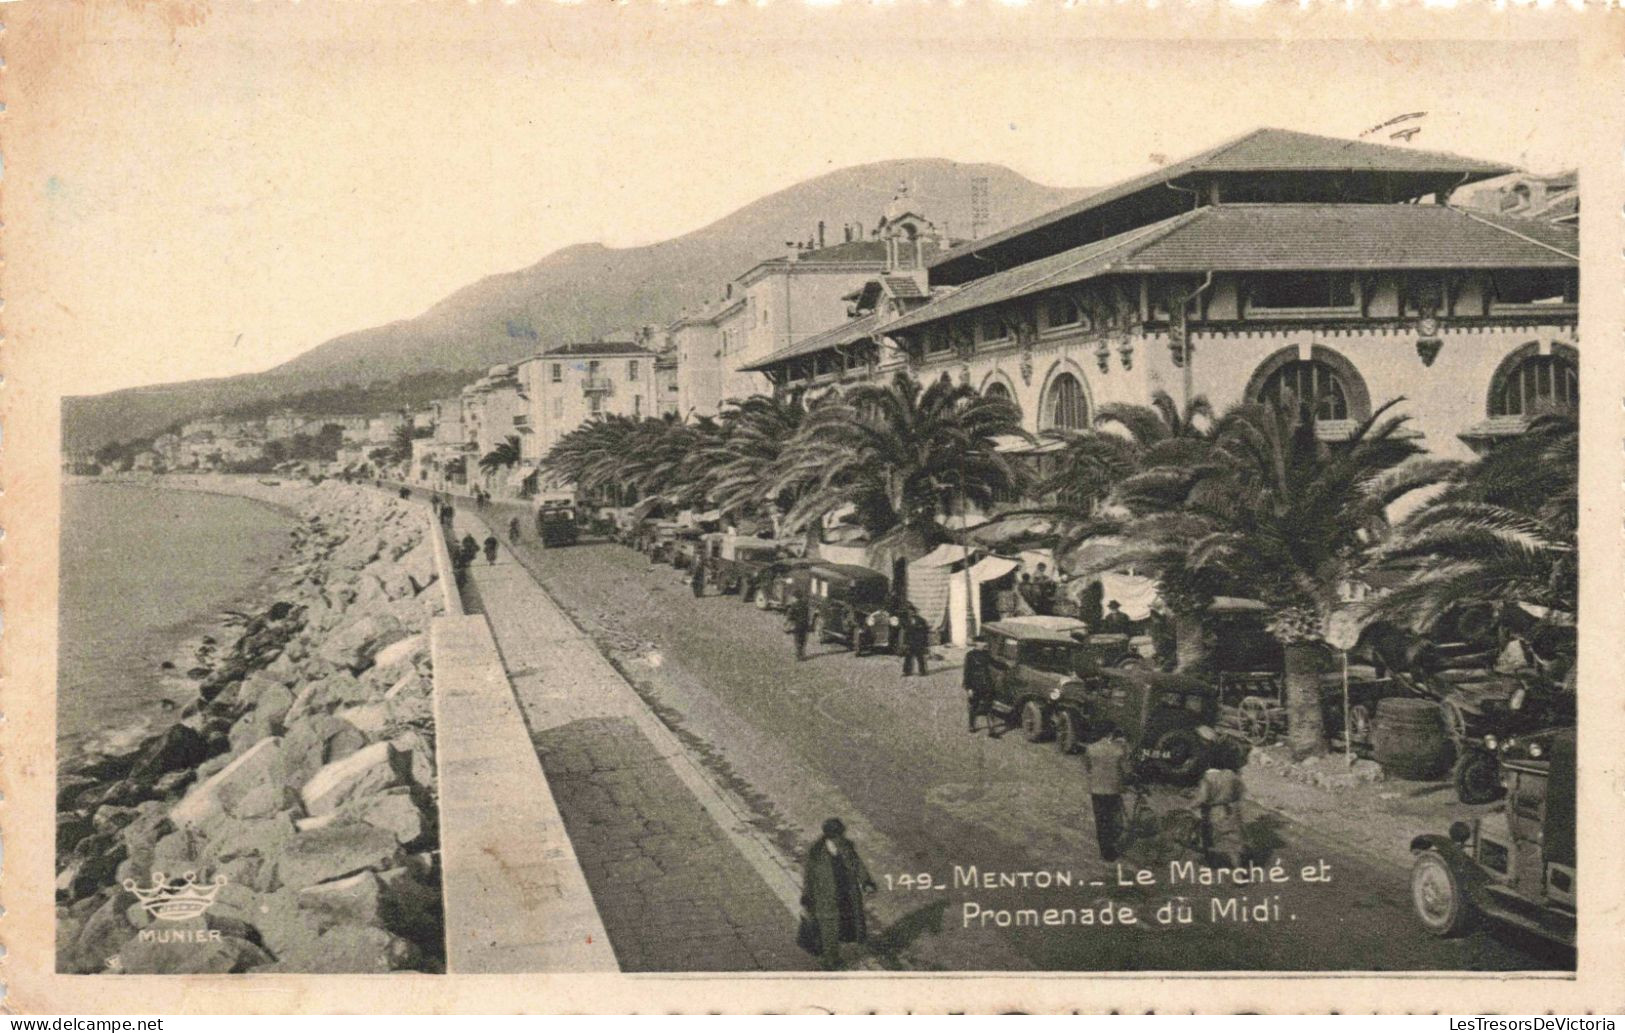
687 545
1048 677
739 561
556 525
777 582
1516 865
843 596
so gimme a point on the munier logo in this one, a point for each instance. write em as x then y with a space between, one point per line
175 900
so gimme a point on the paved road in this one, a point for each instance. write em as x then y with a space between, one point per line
931 806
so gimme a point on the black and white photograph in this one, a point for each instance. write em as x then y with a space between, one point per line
843 494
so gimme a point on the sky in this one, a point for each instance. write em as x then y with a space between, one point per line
204 192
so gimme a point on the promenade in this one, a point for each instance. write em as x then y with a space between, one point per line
679 878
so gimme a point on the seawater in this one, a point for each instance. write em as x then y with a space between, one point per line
145 569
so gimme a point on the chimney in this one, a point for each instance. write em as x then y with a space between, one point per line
820 233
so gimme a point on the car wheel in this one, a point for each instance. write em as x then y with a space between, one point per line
1439 898
1033 725
1254 715
760 599
1477 777
1359 729
1068 731
1179 754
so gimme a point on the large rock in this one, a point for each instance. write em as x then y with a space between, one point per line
177 748
378 767
355 644
404 651
334 852
314 741
396 810
260 763
351 900
102 934
352 949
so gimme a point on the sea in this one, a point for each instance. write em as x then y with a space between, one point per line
146 573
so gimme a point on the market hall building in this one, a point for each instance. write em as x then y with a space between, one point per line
1279 262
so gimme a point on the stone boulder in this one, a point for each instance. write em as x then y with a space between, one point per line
334 852
370 770
352 949
175 749
405 651
396 810
355 644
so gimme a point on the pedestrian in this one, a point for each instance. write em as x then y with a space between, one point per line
1106 763
1116 622
916 641
446 513
471 550
513 529
978 685
799 616
1218 805
490 548
834 880
696 581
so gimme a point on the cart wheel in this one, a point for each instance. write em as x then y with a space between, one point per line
1033 725
1254 715
1439 897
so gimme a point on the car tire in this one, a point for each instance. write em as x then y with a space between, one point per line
1179 754
1438 896
1477 776
1068 731
1033 724
759 597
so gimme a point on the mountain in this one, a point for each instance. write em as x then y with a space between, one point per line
578 293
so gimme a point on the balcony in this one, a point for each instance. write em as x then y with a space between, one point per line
597 385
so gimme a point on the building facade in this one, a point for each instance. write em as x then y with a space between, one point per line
571 384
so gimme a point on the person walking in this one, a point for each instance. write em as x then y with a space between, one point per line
513 529
978 685
1106 763
799 616
471 550
916 641
490 548
696 580
1218 806
834 880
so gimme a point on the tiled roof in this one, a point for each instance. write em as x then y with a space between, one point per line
1235 238
1262 150
903 287
845 333
598 348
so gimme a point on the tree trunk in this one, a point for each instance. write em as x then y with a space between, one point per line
1305 725
1190 643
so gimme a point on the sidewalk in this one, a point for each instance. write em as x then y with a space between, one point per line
680 882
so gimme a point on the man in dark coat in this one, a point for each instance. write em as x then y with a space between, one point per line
1106 762
471 550
1116 622
978 684
799 615
916 641
696 580
490 548
834 880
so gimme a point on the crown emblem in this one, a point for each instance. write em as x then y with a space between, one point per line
175 900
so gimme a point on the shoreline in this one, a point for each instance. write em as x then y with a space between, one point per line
180 643
301 776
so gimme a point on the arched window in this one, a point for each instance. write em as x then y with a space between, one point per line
999 390
1536 384
1313 384
1065 407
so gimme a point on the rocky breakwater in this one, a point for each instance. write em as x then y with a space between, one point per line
287 820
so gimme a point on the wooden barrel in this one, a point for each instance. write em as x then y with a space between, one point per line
1409 738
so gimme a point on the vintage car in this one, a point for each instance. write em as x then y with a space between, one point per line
780 581
1049 678
844 597
556 525
738 561
1515 865
688 544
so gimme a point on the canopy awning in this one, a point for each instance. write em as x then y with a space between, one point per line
944 555
991 568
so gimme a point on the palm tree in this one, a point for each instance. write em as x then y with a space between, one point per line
1503 532
744 464
897 453
506 454
1275 513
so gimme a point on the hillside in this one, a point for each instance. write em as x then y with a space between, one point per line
576 293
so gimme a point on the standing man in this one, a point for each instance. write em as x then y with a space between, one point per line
490 548
916 641
799 614
834 880
1106 763
978 685
1116 622
696 580
1218 806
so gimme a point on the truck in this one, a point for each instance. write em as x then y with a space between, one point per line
556 524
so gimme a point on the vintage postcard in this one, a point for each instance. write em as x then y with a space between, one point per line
786 507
